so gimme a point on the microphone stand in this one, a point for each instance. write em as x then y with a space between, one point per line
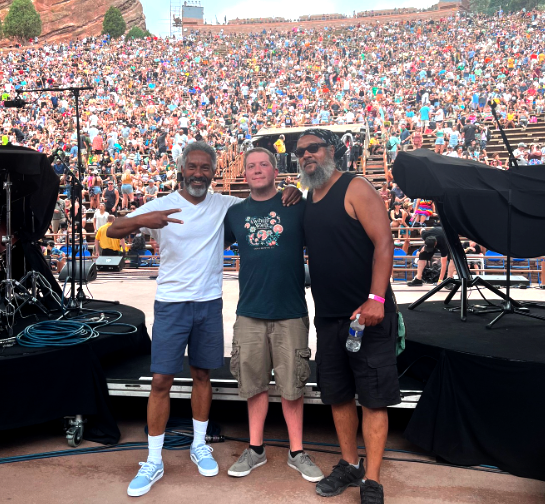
76 300
508 306
75 185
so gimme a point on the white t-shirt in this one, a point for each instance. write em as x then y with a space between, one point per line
191 253
101 218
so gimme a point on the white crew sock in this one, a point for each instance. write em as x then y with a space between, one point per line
155 445
199 432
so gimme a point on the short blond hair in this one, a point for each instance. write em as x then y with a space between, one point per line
272 159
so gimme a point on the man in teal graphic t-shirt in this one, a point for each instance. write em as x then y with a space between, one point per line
271 330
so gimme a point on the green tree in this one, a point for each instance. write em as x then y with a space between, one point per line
136 32
113 23
493 6
1 32
481 6
22 21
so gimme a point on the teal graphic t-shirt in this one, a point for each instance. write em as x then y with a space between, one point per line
270 240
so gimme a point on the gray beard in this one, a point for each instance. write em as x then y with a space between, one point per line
320 177
197 193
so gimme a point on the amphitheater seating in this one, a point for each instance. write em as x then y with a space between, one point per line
375 172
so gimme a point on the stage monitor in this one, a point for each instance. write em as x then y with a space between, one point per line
110 263
89 271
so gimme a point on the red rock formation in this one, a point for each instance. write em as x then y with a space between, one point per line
68 19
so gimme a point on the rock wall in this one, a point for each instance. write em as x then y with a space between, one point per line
68 19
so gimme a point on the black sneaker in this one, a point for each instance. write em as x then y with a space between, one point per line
344 475
449 287
415 281
371 493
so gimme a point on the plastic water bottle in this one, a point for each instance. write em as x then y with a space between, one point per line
355 334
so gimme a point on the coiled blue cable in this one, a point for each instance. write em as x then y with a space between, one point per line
73 331
55 333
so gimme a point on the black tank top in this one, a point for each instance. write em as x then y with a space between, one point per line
340 255
397 215
109 196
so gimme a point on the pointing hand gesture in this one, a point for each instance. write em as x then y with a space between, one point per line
159 219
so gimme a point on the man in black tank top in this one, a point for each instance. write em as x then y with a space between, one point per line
110 197
350 259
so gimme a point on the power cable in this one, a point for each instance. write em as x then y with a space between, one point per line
179 436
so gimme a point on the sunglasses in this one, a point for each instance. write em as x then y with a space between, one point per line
312 148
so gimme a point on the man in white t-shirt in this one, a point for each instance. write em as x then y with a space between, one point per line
100 217
188 302
183 122
439 116
450 152
177 149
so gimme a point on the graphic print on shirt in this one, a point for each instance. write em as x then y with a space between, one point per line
263 232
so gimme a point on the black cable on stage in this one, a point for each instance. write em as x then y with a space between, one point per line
489 469
179 436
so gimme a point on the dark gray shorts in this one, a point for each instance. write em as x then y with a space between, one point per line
371 372
196 325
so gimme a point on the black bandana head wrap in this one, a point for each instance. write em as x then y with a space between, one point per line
329 138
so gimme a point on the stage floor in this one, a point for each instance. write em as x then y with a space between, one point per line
514 337
123 286
429 325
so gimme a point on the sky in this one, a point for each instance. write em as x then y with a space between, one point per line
157 11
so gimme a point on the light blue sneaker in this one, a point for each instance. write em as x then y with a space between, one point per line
148 474
202 456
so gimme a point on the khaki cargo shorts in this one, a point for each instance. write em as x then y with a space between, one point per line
259 346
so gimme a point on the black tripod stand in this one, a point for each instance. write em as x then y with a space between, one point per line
76 300
508 306
464 280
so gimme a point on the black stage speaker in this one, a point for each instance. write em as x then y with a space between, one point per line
89 271
110 263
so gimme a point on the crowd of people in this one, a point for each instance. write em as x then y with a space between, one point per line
159 106
153 97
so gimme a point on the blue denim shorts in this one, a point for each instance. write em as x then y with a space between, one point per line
196 325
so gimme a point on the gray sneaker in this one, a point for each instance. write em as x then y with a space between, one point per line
303 463
246 463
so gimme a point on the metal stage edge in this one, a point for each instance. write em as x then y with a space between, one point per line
226 390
